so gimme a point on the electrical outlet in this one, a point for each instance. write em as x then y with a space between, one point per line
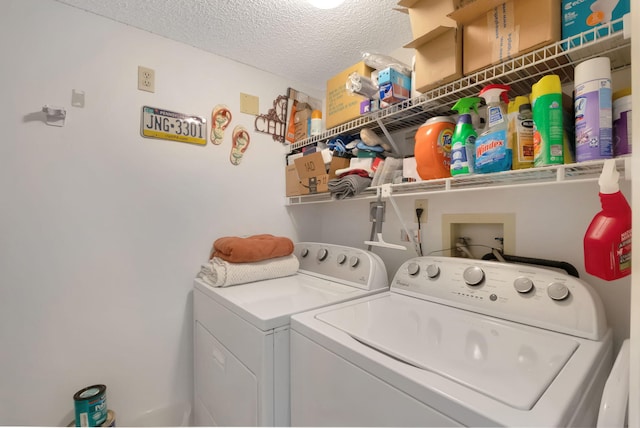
146 79
420 203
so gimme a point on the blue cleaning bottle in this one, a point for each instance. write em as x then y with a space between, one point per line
493 153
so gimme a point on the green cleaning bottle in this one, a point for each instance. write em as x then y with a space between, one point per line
464 137
548 132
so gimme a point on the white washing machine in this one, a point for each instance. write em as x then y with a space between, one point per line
242 332
454 342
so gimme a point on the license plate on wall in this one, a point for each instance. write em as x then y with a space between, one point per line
169 125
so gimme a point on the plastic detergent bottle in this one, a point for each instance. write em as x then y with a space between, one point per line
433 148
492 151
464 137
548 134
521 132
607 242
593 115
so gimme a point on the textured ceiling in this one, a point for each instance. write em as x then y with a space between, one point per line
289 38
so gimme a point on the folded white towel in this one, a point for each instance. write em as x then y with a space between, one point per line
220 273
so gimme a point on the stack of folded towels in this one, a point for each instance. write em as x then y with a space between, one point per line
236 260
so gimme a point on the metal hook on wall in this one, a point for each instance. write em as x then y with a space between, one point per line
55 115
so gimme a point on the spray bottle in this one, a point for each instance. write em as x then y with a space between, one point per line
493 153
607 242
464 137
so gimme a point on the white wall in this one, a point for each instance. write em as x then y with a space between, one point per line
101 230
550 223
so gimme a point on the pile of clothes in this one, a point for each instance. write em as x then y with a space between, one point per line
353 180
236 260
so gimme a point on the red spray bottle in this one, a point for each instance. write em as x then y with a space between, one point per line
607 242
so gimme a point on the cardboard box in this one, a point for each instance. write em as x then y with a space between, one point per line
308 174
301 122
391 75
428 15
494 30
393 93
438 61
342 106
578 17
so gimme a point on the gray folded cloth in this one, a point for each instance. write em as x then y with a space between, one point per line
347 186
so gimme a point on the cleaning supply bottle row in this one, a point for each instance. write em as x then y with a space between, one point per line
531 130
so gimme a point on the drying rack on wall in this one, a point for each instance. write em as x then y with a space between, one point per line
612 40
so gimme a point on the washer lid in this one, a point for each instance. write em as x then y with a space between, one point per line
506 361
269 304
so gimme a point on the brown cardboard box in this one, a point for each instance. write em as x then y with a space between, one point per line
337 163
439 60
341 105
495 30
428 15
308 174
301 121
293 185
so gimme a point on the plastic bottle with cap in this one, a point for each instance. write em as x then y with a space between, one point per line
607 242
316 123
521 132
548 131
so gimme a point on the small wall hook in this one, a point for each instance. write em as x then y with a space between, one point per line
55 115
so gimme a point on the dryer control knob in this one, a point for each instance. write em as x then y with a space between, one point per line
413 269
523 284
354 261
558 291
304 252
322 254
341 259
433 271
473 275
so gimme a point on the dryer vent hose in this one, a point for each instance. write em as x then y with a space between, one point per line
568 267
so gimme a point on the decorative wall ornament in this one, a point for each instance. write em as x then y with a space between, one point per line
241 140
274 122
220 119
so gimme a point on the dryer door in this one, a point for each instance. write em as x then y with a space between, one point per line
223 385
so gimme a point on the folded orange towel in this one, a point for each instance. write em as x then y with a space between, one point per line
254 248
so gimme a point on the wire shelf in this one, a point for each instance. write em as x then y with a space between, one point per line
568 173
520 73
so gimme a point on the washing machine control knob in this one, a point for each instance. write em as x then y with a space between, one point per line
322 254
473 275
523 284
304 252
354 261
433 271
558 291
341 259
413 269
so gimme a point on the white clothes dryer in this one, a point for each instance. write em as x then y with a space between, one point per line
242 332
454 342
